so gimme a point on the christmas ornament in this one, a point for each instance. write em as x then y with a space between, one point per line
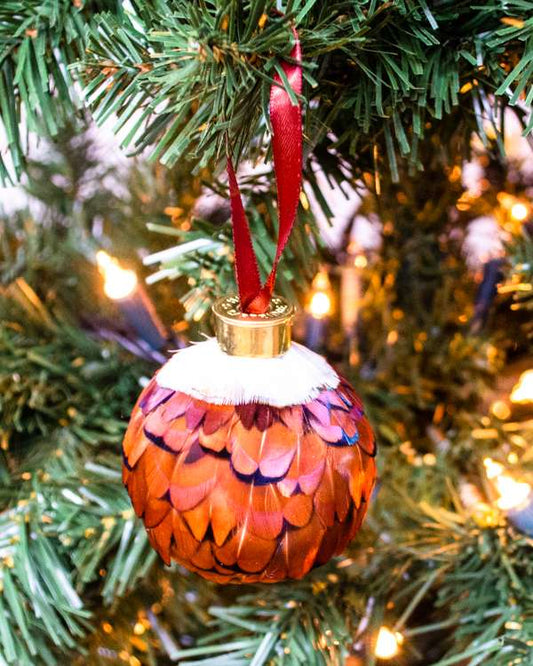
247 457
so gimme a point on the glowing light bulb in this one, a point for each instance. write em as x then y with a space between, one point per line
493 468
512 493
519 212
523 391
320 303
501 410
118 282
388 643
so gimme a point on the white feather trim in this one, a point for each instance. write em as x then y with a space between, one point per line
204 371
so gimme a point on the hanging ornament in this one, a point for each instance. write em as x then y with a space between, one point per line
247 457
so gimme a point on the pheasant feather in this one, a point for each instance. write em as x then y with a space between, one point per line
249 492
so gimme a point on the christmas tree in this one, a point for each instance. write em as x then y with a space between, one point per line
411 261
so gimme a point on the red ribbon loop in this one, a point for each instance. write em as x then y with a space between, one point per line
286 121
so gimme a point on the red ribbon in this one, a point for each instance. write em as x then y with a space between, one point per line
286 121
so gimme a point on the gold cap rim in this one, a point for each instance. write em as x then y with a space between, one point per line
254 335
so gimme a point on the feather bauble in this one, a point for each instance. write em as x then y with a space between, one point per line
256 491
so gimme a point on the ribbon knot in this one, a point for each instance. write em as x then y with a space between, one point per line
286 122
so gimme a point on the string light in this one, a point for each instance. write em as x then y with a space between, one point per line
122 286
501 410
321 300
512 493
139 629
118 282
519 212
523 391
388 643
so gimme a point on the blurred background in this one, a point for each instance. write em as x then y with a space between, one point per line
411 266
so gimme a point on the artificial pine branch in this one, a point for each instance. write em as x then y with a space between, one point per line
519 279
63 511
377 73
456 583
39 41
180 75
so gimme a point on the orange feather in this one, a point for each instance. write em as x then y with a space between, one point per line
249 493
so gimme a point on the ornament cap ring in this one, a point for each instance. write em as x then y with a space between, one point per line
263 335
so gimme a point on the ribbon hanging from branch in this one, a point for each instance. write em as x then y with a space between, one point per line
286 121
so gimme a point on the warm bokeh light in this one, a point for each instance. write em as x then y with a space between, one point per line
512 493
501 410
523 391
493 469
519 212
388 643
118 282
320 305
321 301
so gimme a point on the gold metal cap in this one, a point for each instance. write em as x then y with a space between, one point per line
256 335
